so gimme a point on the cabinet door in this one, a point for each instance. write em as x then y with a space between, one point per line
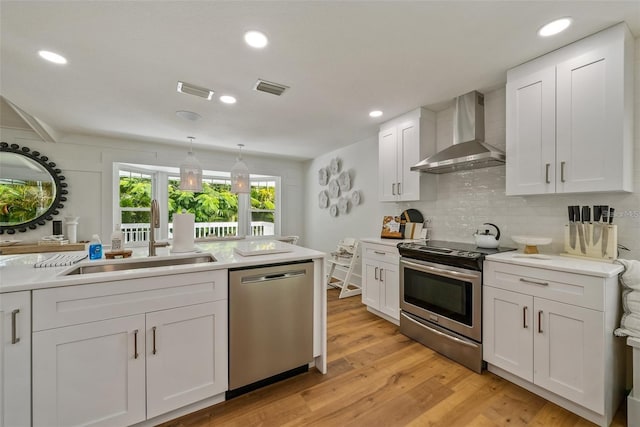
507 325
408 187
371 283
186 355
569 352
90 374
530 133
590 122
15 358
389 290
387 164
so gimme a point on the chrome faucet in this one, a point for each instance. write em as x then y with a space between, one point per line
155 223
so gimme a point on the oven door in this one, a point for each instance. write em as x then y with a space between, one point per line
447 296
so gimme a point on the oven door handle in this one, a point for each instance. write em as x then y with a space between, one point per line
440 271
442 334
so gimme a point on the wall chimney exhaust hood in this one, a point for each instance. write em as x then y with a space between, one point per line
469 151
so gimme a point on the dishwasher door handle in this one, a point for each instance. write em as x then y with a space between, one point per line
275 276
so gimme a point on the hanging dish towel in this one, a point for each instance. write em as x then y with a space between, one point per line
60 260
630 281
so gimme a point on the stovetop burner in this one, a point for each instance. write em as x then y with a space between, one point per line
456 254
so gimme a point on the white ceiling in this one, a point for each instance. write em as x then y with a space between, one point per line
340 58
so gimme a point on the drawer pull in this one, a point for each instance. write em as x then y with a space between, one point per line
135 344
14 334
546 179
379 253
534 282
524 317
154 340
540 321
375 273
562 171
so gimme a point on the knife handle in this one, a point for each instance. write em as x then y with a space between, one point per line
576 213
597 213
571 215
611 211
605 213
586 214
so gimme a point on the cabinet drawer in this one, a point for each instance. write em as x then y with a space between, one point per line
382 253
576 289
70 305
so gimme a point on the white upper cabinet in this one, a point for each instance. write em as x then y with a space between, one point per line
403 142
570 118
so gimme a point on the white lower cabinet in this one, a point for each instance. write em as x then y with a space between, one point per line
381 286
89 374
166 349
15 359
552 332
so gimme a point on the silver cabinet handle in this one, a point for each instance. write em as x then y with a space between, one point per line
135 344
539 321
393 189
546 179
399 189
14 334
375 273
379 253
534 282
524 317
153 330
562 171
381 278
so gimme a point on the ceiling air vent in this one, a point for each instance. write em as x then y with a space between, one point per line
190 89
270 87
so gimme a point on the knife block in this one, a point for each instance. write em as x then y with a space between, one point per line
593 250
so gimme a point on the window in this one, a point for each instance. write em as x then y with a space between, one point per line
218 212
135 190
263 206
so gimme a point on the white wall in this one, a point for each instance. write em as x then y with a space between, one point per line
87 163
467 199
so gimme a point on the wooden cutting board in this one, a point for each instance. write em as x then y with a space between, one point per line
32 248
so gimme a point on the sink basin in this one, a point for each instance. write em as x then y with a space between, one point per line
140 263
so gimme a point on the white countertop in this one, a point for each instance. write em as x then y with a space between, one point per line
559 263
17 272
387 242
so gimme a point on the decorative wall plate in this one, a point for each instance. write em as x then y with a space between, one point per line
323 176
333 210
334 189
355 198
343 205
334 166
344 180
323 199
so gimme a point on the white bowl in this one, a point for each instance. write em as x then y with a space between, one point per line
531 240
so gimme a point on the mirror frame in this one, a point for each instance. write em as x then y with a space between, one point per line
61 189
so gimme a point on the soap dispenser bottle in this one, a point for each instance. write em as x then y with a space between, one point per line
116 239
95 247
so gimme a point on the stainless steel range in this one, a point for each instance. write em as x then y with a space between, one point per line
441 297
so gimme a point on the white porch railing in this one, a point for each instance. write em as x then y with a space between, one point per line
140 232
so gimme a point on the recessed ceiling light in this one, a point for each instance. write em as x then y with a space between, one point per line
188 115
554 27
255 39
227 99
52 57
375 113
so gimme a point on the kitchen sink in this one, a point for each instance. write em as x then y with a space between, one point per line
121 265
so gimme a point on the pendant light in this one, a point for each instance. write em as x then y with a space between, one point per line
190 171
240 175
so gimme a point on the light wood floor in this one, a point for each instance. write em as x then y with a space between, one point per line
378 377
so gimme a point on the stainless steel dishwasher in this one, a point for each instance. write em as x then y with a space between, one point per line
270 324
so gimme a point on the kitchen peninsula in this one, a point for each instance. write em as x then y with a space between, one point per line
157 337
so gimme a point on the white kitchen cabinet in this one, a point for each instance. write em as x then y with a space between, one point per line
569 118
122 352
403 142
184 362
380 275
552 333
89 374
15 359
